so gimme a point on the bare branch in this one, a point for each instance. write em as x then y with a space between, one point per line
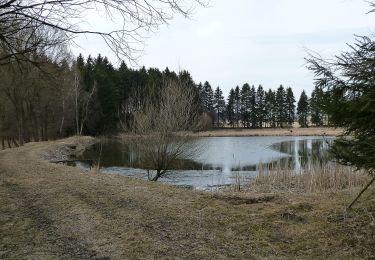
18 18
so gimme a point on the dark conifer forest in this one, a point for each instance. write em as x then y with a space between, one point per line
91 96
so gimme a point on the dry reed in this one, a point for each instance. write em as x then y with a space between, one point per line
314 177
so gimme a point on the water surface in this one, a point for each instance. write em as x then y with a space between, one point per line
222 161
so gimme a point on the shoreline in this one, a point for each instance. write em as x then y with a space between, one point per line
246 132
292 131
55 211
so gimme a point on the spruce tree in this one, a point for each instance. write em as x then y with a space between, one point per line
230 111
219 106
270 108
107 92
316 106
281 106
303 110
201 96
208 98
291 107
253 111
349 82
237 105
260 106
245 105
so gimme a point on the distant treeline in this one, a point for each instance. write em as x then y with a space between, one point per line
64 97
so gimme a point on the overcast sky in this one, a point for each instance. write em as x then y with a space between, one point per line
253 41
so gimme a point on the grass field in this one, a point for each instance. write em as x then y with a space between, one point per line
50 211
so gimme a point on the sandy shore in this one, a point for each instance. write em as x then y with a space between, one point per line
52 211
311 131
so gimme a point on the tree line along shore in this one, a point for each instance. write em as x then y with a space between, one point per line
90 96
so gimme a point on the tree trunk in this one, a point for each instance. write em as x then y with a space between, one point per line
63 117
362 191
45 124
20 131
159 173
9 145
2 143
156 177
76 92
15 142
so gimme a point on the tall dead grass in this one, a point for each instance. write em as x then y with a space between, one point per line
314 177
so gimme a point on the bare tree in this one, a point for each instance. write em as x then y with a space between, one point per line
82 100
28 25
31 100
162 126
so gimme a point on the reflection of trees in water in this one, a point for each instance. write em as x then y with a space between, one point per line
302 154
129 154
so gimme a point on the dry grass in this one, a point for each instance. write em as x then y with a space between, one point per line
238 132
293 131
50 211
314 178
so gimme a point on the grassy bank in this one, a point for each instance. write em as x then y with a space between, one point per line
293 131
50 211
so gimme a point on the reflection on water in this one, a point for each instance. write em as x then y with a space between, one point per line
222 161
303 151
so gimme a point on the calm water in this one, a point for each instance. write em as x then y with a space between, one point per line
221 161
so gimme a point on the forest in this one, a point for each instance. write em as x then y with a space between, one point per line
90 96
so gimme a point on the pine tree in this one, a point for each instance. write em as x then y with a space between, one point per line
260 106
245 105
231 114
108 94
291 107
208 97
303 110
316 105
219 106
253 111
281 106
270 108
350 103
201 96
237 105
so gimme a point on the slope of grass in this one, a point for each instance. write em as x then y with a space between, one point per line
50 211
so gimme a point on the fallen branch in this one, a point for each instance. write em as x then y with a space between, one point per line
362 191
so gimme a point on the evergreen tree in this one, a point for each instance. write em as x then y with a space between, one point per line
201 96
260 106
170 75
237 105
253 111
270 108
208 96
316 105
108 94
291 107
231 114
186 79
219 106
80 63
349 81
303 110
88 73
245 105
281 106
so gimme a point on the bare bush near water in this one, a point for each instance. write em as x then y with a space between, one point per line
162 126
315 177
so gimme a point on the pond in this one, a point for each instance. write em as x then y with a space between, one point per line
221 162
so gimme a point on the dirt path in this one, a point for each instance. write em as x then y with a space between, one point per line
50 211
